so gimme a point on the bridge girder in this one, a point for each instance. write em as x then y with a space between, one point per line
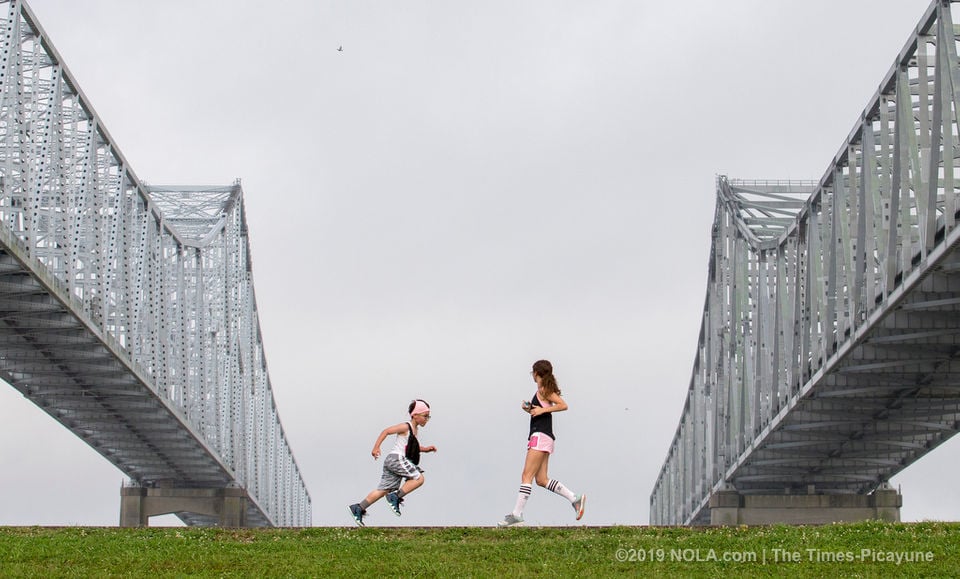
127 312
829 354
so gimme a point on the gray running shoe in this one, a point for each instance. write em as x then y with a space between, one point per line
579 502
394 501
357 513
510 520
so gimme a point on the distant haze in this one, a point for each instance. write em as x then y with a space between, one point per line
465 188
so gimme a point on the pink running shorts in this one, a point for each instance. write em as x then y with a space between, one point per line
540 441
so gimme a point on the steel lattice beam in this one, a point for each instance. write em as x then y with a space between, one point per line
127 312
829 354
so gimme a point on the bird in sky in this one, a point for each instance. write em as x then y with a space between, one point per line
340 49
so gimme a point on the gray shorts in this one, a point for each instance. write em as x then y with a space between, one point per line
396 470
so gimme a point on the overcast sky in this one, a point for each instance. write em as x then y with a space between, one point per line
466 188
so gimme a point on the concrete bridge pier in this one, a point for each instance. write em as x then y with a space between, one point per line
729 507
138 504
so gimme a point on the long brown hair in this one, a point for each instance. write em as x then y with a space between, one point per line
548 382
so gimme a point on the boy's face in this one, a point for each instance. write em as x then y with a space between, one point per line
421 419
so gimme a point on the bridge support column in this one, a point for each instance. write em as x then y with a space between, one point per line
138 504
728 507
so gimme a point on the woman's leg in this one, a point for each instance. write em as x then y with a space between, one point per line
541 474
535 462
531 466
553 485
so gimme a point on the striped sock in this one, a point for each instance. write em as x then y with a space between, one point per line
556 486
522 499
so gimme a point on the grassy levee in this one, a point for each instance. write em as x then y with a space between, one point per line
869 549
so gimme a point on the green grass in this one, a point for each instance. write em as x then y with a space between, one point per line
483 552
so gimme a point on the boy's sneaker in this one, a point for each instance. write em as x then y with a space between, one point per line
578 503
357 513
394 501
510 520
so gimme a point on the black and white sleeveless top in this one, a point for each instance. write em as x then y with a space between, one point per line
544 422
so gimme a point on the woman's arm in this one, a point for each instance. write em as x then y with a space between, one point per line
559 405
402 427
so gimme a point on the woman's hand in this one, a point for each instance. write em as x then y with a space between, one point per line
536 411
375 452
430 448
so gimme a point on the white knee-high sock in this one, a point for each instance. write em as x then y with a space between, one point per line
557 487
522 497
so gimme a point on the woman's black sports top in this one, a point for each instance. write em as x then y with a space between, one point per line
542 423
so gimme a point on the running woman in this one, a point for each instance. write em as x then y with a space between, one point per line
541 407
400 475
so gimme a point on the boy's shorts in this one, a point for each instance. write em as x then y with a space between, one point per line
540 441
396 470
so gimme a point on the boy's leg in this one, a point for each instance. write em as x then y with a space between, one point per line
389 480
395 498
359 510
410 485
373 497
408 478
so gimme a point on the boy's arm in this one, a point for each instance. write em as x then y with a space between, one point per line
402 427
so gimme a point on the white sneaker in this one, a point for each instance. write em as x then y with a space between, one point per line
579 502
510 520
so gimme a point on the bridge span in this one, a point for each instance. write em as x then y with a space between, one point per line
829 351
128 312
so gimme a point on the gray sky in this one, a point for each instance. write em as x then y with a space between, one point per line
466 188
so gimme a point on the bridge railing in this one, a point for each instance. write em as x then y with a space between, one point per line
163 273
789 282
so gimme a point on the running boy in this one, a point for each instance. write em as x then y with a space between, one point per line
401 475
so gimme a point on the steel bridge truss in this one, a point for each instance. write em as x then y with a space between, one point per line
829 351
128 312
